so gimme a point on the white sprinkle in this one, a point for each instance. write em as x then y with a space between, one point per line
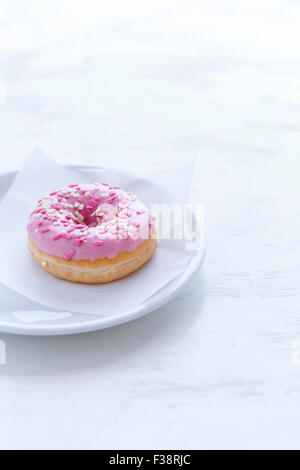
36 230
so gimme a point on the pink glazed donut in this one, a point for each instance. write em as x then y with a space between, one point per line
91 233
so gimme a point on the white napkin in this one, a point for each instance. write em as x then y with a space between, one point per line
19 271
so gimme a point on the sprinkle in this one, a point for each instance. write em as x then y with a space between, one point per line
111 199
69 255
140 212
79 216
43 263
57 237
67 236
80 241
99 242
36 230
45 230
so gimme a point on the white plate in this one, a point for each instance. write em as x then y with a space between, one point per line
21 316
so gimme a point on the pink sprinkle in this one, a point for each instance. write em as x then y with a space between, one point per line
99 242
105 184
45 230
80 241
116 187
69 255
73 185
140 212
111 199
53 194
67 236
57 237
40 223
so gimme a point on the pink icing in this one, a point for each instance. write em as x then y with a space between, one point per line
89 221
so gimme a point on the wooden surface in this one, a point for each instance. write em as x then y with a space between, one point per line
216 367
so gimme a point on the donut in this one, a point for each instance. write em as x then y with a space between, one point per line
91 233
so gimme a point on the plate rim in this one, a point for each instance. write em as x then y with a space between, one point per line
99 323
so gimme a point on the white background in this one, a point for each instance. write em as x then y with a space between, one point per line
97 82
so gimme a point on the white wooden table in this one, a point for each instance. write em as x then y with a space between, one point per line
215 368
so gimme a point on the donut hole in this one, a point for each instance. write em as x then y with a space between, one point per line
95 215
